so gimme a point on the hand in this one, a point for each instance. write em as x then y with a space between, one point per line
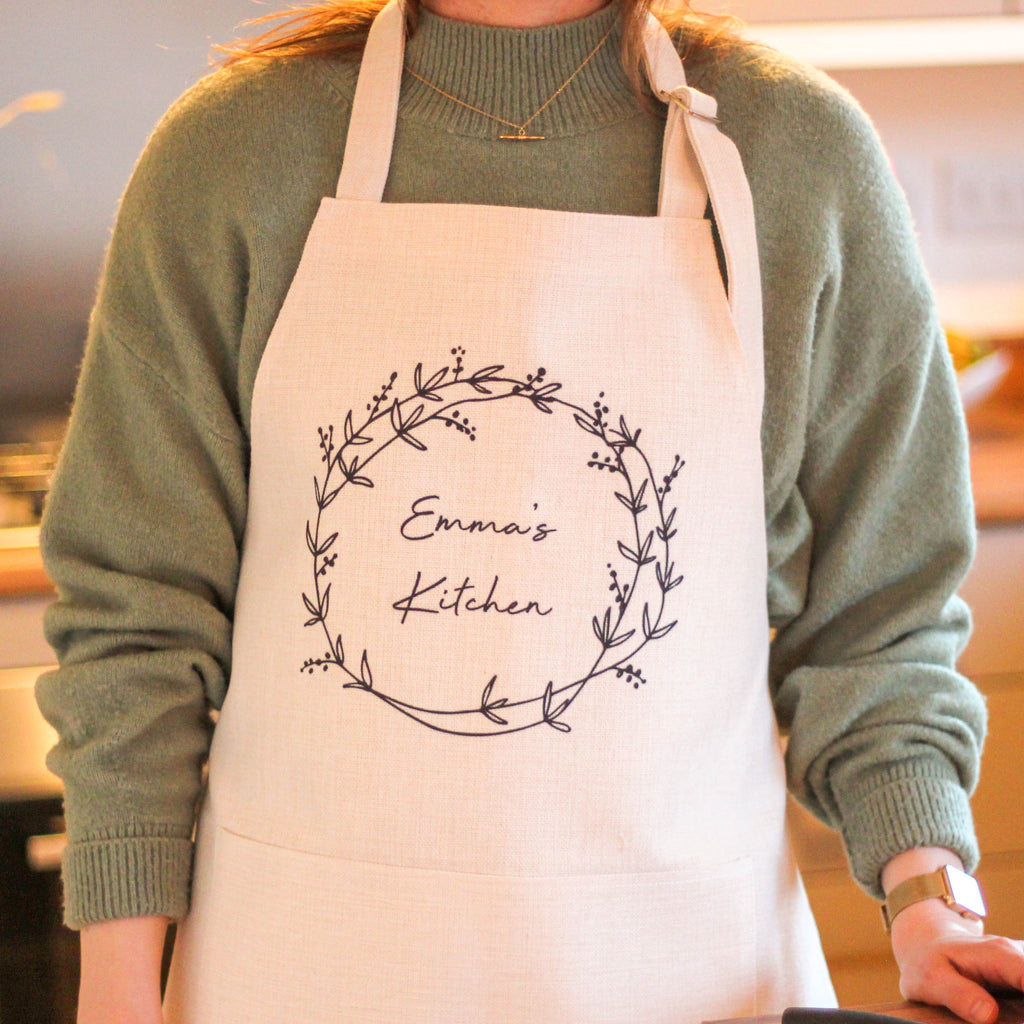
946 959
121 971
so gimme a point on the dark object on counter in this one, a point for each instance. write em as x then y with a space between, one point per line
814 1015
1011 1011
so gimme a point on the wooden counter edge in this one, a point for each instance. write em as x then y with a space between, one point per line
1011 1011
22 572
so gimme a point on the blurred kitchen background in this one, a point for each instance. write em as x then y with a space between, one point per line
82 82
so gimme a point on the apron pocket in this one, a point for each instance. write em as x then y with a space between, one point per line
278 936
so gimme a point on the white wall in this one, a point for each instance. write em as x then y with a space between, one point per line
948 130
801 10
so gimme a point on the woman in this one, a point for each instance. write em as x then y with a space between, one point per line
470 500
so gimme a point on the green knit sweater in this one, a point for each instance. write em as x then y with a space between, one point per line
867 500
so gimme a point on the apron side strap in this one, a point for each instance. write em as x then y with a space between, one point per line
371 132
733 208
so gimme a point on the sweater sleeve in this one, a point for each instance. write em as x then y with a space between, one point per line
141 536
870 517
885 735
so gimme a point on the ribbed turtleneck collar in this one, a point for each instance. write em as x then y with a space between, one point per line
510 72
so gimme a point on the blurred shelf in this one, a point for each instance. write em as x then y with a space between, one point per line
898 42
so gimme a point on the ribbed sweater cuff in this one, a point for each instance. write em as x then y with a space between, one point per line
900 808
136 877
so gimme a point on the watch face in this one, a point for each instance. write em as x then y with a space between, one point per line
965 891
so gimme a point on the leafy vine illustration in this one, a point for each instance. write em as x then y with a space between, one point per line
441 398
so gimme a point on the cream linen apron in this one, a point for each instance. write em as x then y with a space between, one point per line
498 745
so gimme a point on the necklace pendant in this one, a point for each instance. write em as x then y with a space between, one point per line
521 136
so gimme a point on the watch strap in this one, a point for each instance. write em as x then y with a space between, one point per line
924 887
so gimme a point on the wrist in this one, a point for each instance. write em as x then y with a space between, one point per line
918 861
931 879
120 976
125 948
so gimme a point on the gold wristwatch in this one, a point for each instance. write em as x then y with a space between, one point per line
958 890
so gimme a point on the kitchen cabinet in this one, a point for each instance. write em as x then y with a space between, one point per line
25 737
21 632
38 957
25 593
827 10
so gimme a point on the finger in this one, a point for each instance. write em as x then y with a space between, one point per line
954 976
994 961
940 982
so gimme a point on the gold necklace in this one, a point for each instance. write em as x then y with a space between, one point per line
520 135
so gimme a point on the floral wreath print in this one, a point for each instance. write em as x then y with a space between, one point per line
440 398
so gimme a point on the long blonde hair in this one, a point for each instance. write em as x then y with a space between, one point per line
341 27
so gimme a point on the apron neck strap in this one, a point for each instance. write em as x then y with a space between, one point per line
371 128
682 192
